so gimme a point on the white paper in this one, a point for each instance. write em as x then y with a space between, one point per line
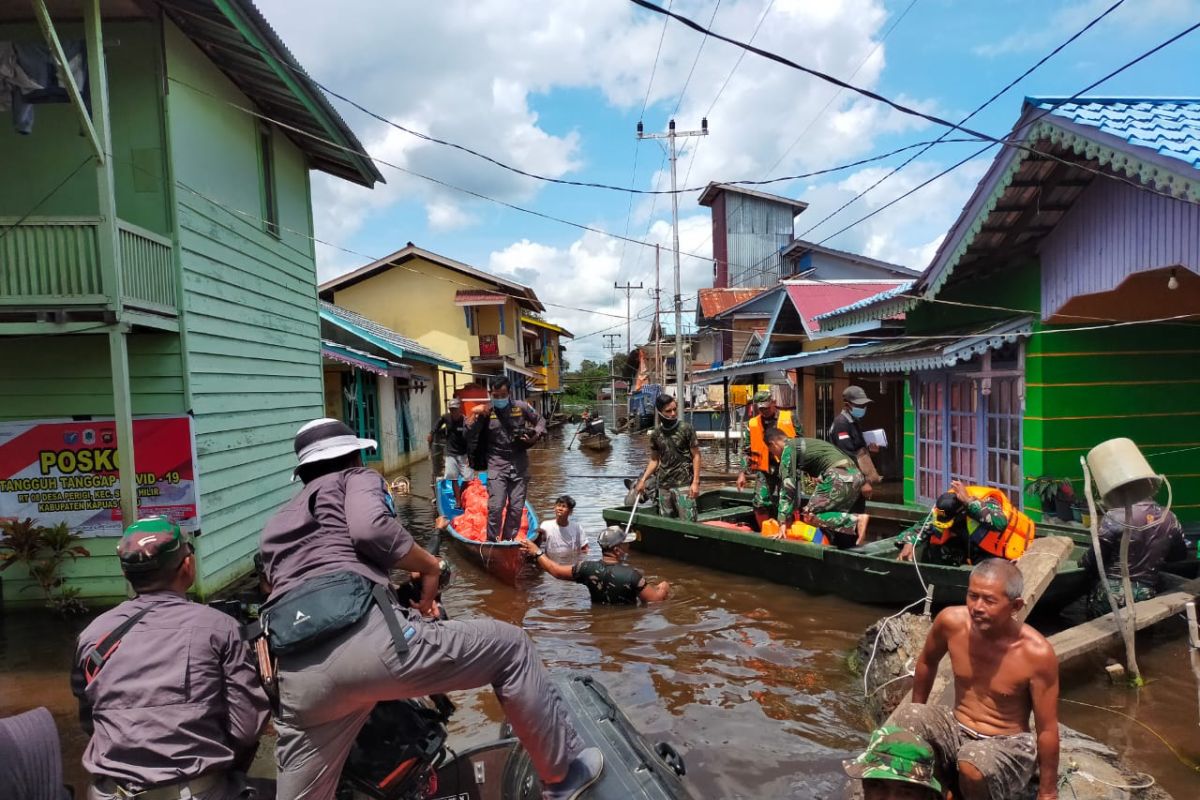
876 437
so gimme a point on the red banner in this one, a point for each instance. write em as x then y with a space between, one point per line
67 472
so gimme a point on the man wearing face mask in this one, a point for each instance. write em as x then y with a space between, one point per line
846 435
507 429
675 459
756 458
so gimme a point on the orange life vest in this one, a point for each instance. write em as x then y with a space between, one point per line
1010 543
760 458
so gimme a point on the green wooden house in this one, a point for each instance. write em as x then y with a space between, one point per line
1061 310
156 261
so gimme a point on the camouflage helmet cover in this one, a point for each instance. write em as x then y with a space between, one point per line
762 396
894 754
151 544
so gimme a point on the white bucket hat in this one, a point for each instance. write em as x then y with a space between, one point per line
326 438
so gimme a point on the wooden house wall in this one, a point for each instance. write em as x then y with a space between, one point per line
1113 231
251 329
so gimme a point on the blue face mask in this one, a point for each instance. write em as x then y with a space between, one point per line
499 402
858 412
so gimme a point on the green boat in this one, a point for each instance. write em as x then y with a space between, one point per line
868 574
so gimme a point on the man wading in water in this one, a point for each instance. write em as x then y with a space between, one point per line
1003 670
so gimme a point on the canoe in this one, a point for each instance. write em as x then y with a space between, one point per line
506 560
869 574
598 441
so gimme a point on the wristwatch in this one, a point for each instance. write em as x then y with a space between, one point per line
538 554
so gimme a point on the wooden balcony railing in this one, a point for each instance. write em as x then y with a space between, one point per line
55 261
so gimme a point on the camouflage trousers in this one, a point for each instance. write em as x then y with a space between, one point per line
766 490
1097 599
837 491
675 502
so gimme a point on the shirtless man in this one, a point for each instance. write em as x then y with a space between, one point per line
1003 670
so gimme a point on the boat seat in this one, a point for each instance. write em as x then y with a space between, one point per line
722 514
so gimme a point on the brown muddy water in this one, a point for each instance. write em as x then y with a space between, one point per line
746 678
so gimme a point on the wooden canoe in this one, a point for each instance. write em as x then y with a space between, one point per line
869 574
506 560
595 441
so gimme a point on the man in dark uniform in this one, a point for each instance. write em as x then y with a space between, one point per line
451 427
674 461
342 523
609 580
507 429
846 435
1157 538
177 708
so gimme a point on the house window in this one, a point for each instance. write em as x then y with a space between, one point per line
502 311
968 429
469 316
360 408
270 197
823 406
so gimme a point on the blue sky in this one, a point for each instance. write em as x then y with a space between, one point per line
558 87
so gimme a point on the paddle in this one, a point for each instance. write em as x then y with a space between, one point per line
577 430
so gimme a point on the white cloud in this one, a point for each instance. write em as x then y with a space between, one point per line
1046 34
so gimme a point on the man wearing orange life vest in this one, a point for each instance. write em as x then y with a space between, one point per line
968 525
756 456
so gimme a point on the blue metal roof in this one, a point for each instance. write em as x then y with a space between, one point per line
384 338
1170 126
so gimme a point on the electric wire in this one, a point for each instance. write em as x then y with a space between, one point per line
46 197
1095 20
695 61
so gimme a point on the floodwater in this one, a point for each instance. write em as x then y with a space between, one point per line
747 679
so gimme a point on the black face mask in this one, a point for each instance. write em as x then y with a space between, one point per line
668 423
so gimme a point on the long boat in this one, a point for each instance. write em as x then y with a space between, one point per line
868 574
506 560
595 441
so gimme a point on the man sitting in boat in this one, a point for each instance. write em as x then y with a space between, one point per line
838 485
756 459
1157 537
674 461
561 535
592 425
1003 671
896 766
967 525
610 580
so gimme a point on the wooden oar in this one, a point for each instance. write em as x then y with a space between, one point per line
577 430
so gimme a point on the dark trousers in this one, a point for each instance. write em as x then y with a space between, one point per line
506 501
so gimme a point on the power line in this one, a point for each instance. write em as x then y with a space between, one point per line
904 109
967 118
654 66
695 61
46 197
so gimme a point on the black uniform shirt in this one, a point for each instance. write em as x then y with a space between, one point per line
617 584
845 434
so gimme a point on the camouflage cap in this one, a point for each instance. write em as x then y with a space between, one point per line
152 544
763 396
894 754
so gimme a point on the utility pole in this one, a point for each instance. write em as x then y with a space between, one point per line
671 135
628 288
612 344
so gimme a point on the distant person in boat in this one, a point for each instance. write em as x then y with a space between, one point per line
506 429
337 532
674 462
1003 671
610 580
756 458
561 534
846 435
838 483
896 766
167 689
1157 538
967 525
451 427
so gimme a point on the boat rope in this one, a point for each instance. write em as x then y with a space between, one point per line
1187 762
909 672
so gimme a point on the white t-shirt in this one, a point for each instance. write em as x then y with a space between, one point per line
570 537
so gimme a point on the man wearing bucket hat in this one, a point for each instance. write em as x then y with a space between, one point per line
167 689
896 766
338 539
756 455
610 580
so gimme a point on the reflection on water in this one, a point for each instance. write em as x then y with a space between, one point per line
748 679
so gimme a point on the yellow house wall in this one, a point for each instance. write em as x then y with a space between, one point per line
417 300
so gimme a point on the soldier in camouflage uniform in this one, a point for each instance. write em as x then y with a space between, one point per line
838 485
674 461
951 514
897 765
756 458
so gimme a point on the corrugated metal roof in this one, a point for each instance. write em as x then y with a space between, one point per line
811 358
710 193
384 338
867 302
716 301
812 298
1170 126
244 46
949 348
550 326
479 297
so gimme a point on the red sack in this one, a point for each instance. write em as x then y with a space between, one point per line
472 523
